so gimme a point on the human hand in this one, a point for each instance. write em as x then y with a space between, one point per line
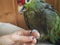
21 37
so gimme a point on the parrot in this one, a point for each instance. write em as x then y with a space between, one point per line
42 16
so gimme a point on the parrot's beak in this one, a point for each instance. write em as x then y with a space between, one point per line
22 10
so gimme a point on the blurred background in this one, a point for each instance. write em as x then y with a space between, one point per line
9 12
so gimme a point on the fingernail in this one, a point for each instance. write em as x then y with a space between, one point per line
34 30
33 38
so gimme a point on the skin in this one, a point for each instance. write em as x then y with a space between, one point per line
21 37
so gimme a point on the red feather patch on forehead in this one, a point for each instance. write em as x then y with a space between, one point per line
22 2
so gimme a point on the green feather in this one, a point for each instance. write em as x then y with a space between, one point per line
43 17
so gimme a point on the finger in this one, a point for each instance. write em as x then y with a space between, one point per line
35 33
22 38
23 32
31 43
34 41
28 44
26 39
26 33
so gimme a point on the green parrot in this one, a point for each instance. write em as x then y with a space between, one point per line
43 17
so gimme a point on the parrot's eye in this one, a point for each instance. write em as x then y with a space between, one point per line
27 1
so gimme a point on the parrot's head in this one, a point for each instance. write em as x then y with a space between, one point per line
22 3
28 3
